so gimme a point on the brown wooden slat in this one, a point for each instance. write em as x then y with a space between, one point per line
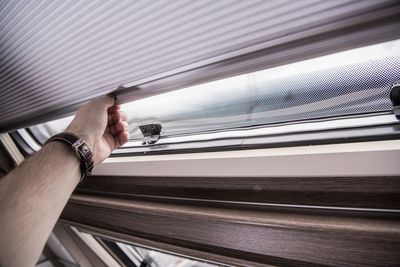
349 192
282 238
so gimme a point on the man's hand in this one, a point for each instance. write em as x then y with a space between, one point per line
33 195
102 125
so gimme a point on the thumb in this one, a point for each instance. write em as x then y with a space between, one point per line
105 102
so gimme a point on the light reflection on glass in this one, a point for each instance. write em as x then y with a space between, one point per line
350 82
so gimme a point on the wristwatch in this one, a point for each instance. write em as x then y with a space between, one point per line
81 149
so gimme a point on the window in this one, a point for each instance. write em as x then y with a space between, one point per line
352 82
151 258
288 100
342 85
109 252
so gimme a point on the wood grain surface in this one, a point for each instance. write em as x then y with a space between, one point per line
352 192
330 221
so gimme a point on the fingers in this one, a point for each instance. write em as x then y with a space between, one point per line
121 126
110 120
120 133
120 116
113 108
115 114
123 137
118 127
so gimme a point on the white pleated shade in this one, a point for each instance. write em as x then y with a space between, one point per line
55 55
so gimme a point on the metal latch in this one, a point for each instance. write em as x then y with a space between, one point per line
151 133
395 98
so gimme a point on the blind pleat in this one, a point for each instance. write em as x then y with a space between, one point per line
56 55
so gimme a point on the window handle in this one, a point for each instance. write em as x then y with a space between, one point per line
151 133
395 98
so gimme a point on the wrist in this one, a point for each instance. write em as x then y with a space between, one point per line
82 150
84 136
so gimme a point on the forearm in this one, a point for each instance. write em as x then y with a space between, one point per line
31 200
34 194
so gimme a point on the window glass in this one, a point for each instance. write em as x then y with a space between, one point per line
137 256
347 83
44 131
352 82
151 258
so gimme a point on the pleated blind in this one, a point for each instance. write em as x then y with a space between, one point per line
55 55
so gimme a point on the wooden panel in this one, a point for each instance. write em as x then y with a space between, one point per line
347 192
244 235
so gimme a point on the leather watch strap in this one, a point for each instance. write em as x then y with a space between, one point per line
81 149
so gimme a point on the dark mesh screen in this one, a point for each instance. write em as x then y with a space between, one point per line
348 89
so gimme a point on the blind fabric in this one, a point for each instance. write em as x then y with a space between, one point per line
55 55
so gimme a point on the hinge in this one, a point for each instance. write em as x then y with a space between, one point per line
151 133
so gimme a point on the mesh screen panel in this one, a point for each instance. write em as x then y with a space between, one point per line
324 87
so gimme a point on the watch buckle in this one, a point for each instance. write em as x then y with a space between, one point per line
76 146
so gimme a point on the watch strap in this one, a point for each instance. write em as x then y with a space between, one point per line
81 150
